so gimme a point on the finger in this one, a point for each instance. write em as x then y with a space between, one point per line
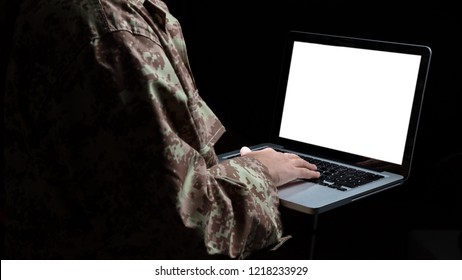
245 150
308 174
304 164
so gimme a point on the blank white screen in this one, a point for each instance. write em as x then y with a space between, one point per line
353 100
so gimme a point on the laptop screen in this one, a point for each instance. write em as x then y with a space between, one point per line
353 96
349 99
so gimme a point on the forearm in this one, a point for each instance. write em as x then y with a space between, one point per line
234 204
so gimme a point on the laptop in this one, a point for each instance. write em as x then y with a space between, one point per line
348 105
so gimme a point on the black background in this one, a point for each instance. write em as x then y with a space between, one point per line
235 50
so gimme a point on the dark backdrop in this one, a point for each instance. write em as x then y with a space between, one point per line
235 50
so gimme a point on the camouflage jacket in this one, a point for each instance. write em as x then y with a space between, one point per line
109 147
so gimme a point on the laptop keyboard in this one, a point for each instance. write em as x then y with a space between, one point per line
340 177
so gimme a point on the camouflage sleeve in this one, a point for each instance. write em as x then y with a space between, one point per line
249 219
234 204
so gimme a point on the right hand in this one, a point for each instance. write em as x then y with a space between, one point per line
283 167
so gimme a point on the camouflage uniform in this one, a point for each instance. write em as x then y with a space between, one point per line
109 148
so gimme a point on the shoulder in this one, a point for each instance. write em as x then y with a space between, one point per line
135 16
86 19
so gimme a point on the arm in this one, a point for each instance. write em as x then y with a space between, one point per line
233 204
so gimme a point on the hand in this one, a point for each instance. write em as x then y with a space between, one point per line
283 167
